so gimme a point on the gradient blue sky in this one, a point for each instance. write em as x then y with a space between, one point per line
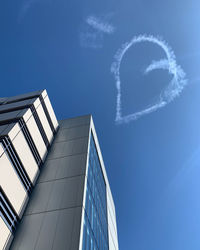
153 163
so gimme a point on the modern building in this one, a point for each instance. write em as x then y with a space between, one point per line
54 191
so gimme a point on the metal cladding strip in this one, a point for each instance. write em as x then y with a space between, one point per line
30 141
7 144
40 127
7 217
7 211
6 234
35 133
41 114
50 109
15 156
22 97
47 115
20 105
29 132
14 188
24 153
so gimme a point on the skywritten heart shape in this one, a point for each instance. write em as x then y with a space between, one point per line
174 88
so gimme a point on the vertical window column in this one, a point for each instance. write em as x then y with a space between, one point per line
47 115
40 127
7 212
30 141
95 235
16 163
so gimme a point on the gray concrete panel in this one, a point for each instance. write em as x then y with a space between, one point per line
73 122
39 198
80 146
73 192
49 170
67 148
57 230
76 229
68 166
72 166
72 133
59 194
47 231
60 149
68 229
28 232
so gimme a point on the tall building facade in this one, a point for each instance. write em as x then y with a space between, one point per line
54 191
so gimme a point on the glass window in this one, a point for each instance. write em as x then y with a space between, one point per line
95 234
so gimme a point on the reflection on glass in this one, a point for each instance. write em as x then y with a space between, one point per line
95 232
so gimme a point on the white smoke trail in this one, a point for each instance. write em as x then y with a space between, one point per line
99 25
174 88
92 34
162 64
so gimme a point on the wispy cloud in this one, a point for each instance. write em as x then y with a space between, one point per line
100 25
91 40
94 30
173 89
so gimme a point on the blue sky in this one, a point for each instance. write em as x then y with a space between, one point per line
153 163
